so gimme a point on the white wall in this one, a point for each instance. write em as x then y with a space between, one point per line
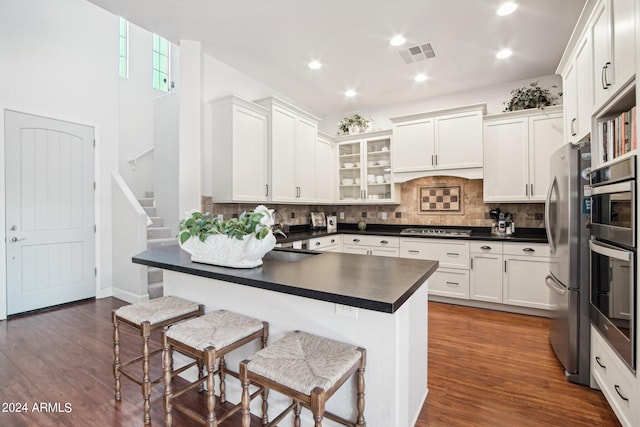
493 96
56 62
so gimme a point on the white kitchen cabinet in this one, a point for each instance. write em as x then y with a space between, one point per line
438 141
517 147
371 245
617 382
325 170
364 169
452 277
239 127
526 266
331 243
613 33
578 87
293 140
485 272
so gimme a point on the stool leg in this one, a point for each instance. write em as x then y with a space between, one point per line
296 414
265 405
209 363
360 420
167 368
318 400
246 401
223 387
200 364
116 354
146 381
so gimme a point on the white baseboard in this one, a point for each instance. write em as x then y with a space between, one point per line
128 296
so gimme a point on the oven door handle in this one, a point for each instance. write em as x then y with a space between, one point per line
609 251
554 285
619 187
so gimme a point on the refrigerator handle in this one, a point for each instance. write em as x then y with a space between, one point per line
553 284
547 213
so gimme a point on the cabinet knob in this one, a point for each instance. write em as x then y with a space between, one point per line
333 240
317 243
384 242
356 240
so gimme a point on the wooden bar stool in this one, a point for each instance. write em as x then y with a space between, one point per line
147 316
308 369
208 338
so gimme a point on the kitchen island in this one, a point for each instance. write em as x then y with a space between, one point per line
374 302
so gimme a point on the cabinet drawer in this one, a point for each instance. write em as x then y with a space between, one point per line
526 249
324 241
450 254
614 378
449 283
486 247
369 240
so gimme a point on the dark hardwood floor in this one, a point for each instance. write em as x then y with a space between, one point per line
485 369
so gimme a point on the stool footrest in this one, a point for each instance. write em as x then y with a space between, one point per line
281 415
333 417
237 407
139 358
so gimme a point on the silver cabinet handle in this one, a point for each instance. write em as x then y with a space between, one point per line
453 284
528 250
432 164
436 160
573 130
605 82
412 251
266 190
526 190
452 254
384 242
531 185
505 265
485 247
471 263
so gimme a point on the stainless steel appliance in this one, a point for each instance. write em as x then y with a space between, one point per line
613 256
426 231
566 218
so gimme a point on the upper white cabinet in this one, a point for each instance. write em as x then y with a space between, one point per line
438 141
364 168
517 147
578 90
613 32
293 139
239 143
325 169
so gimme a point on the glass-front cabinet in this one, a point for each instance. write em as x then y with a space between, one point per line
365 168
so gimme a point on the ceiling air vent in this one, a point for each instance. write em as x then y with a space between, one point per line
417 53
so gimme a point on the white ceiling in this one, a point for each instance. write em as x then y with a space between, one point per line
273 40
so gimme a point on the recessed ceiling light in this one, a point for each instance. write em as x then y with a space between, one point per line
397 40
350 93
507 8
420 77
504 53
315 65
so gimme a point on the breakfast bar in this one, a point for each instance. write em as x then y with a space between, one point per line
374 302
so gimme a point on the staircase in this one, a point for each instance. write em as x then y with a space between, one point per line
157 235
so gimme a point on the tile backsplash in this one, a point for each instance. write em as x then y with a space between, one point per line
473 211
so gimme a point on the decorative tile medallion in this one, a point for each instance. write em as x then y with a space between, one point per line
441 199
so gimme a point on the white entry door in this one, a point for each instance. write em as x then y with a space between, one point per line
49 212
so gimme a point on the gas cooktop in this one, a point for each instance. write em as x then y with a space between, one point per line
452 232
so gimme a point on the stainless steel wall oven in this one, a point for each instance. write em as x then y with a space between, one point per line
613 256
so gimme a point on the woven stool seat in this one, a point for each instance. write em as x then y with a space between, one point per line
302 361
308 369
156 310
218 329
208 339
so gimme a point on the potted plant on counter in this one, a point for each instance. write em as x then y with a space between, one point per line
238 242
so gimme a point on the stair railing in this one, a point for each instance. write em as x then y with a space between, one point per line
134 159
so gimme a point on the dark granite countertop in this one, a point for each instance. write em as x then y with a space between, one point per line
524 235
369 282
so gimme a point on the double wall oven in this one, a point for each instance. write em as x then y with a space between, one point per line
613 255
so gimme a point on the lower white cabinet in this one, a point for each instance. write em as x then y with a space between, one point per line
525 267
615 380
371 245
332 243
485 271
452 277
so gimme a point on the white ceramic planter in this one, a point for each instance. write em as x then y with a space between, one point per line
224 251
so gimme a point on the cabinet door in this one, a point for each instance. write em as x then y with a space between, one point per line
524 282
570 102
249 136
545 136
584 89
283 156
325 171
449 283
360 250
623 41
459 140
350 170
506 160
486 277
602 67
413 146
306 142
390 252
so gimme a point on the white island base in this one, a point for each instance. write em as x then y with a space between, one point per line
396 344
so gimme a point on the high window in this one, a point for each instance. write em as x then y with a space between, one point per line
123 63
160 64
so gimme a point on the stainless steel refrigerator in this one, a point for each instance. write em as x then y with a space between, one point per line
566 219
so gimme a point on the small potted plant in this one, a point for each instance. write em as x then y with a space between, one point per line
531 97
353 124
237 242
